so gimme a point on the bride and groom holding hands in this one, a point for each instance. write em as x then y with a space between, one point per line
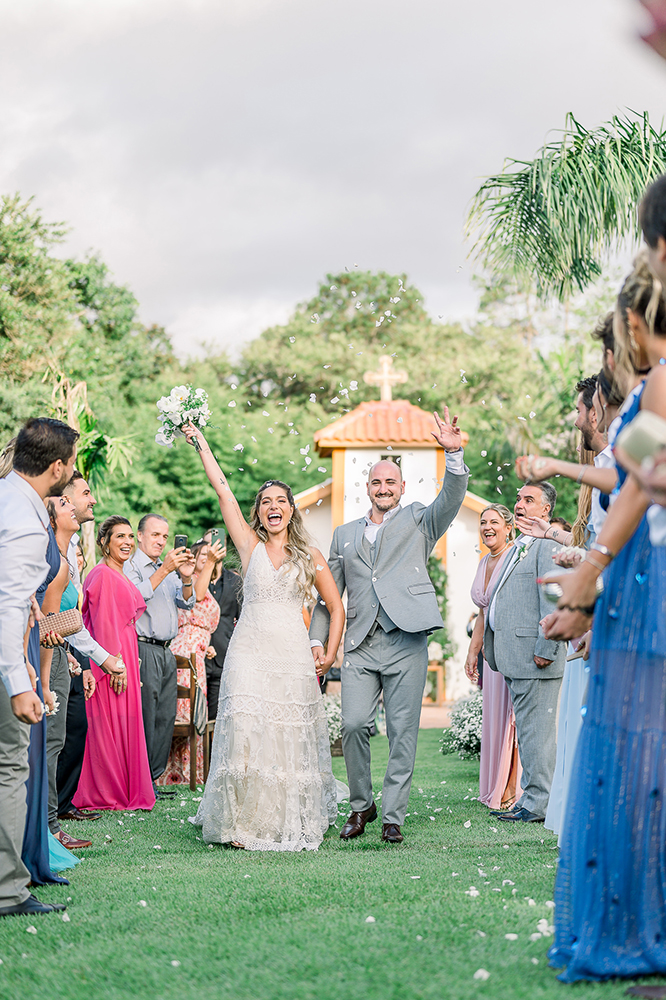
270 785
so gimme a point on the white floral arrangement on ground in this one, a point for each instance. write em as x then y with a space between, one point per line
333 709
464 734
183 405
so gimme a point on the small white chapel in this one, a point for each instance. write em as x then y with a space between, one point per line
398 430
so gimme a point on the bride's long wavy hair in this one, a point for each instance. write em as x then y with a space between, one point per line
298 540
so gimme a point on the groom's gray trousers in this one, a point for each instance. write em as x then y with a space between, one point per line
396 663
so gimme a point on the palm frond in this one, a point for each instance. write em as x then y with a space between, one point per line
552 222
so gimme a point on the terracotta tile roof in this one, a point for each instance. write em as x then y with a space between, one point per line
396 422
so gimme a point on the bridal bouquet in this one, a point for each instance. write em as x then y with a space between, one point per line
183 405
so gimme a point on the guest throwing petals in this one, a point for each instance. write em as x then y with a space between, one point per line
115 771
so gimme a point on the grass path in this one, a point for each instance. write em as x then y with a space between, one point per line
252 926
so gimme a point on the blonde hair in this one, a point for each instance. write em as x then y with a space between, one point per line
505 514
298 540
7 458
642 293
579 528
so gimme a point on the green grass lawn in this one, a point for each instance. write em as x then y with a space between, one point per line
220 923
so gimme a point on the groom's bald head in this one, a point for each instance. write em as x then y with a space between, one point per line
386 466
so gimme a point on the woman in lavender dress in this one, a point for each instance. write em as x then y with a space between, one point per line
500 770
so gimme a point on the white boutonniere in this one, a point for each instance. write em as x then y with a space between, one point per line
522 546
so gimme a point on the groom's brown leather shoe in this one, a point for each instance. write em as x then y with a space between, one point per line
355 825
391 833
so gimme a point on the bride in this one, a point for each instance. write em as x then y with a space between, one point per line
270 786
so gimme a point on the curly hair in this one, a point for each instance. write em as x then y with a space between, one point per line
105 531
298 539
505 514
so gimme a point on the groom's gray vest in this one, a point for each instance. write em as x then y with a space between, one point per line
391 583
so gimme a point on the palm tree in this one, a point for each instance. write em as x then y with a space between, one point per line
551 223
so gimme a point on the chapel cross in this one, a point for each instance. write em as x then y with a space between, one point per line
386 378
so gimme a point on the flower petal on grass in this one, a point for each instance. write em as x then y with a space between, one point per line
370 920
467 824
481 974
511 937
30 929
175 963
66 919
549 904
142 902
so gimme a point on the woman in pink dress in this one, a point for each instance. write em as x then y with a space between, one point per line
194 631
500 769
115 771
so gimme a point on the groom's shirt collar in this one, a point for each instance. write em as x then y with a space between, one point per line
372 529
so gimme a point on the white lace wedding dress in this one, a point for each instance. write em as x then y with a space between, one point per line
270 786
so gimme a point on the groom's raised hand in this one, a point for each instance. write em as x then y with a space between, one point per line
448 434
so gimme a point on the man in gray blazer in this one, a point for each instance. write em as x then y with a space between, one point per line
532 665
381 560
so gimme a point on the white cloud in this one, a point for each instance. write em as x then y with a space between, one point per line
224 157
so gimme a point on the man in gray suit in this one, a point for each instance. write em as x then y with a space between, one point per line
532 665
381 560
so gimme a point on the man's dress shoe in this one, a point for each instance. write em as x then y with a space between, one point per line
78 814
31 906
391 833
521 816
71 843
355 825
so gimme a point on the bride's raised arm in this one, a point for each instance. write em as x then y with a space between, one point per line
241 533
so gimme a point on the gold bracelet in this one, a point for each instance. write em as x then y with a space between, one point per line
581 474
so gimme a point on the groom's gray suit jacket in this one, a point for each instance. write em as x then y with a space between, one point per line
397 578
520 604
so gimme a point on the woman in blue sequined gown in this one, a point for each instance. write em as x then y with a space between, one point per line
610 894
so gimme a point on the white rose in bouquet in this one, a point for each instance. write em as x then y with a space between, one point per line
183 405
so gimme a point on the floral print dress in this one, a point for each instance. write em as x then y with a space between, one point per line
194 631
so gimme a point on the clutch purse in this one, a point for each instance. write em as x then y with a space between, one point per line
644 436
63 622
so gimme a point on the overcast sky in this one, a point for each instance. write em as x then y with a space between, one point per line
223 155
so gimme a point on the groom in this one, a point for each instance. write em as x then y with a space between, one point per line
381 561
